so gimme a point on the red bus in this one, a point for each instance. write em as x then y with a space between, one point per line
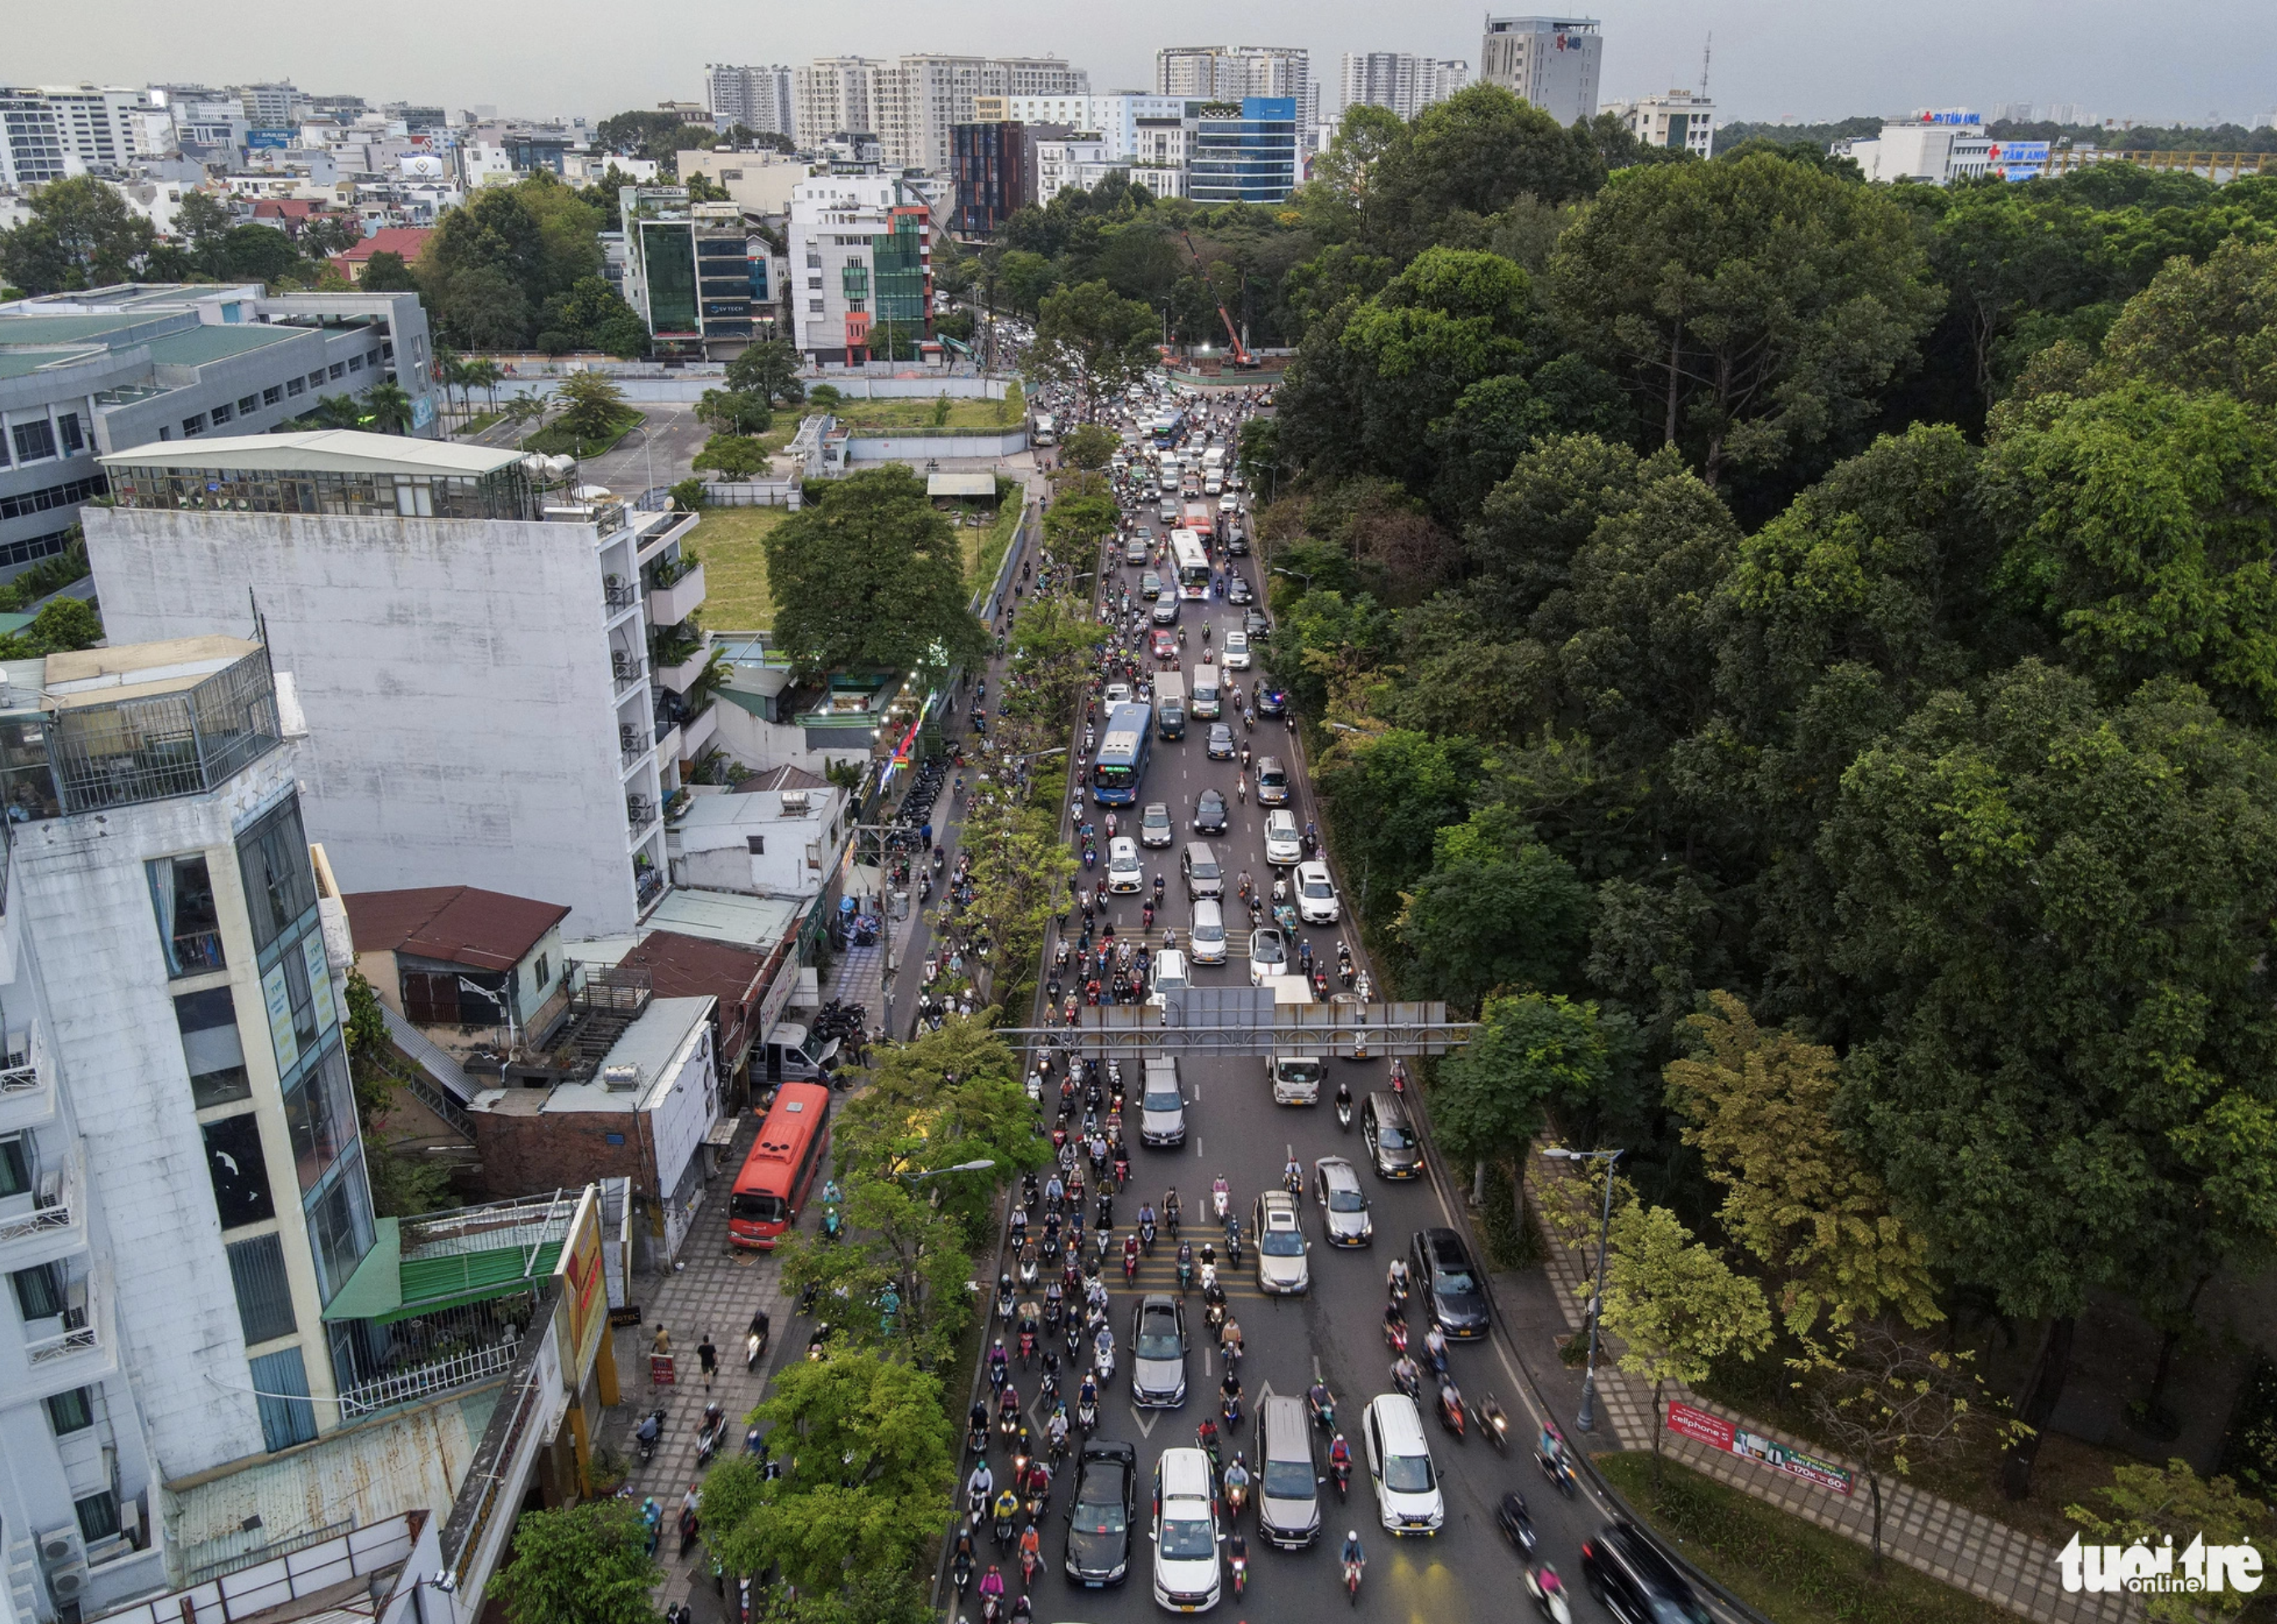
794 1142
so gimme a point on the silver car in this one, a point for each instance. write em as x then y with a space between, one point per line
1158 1353
1282 1269
1344 1203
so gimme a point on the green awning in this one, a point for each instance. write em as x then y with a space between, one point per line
376 1290
386 1287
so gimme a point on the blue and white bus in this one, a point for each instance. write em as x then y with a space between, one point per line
1122 762
1190 565
1167 427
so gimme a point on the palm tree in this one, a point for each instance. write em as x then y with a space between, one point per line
450 370
528 406
337 411
388 407
483 373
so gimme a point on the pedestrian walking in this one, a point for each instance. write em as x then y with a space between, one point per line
662 1344
707 1359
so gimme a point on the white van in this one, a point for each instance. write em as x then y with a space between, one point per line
1399 1464
1207 938
1207 705
1170 975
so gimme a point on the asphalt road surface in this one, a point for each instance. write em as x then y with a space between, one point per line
1468 1571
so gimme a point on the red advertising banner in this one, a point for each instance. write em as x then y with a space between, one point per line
1719 1433
660 1371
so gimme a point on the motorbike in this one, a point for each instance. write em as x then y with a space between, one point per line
1240 1565
1035 1089
1517 1527
817 1344
1341 1471
961 1569
1230 1408
1086 1416
1343 1112
1550 1596
1395 1333
1324 1411
1031 1563
1559 1471
1233 1243
1185 1274
1003 1528
1004 1297
1351 1581
646 1434
707 1440
832 1226
1404 1377
1146 1235
1236 1496
755 1349
1221 1197
1450 1410
1493 1425
975 1438
1007 1413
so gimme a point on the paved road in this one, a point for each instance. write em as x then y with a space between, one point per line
1468 1572
660 452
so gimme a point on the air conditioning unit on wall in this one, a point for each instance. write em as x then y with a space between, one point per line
68 1582
63 1544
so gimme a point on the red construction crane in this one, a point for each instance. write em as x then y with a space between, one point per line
1241 355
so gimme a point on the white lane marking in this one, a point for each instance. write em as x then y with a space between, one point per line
1144 1420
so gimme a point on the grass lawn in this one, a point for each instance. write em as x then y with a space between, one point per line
731 542
556 441
1786 1569
983 549
476 423
916 412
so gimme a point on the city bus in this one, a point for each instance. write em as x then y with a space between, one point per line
1167 427
1122 762
793 1144
1190 564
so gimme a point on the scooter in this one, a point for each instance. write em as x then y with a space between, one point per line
755 1349
648 1432
1493 1425
1549 1597
1240 1565
1559 1471
1517 1527
1344 1113
707 1441
961 1570
1450 1410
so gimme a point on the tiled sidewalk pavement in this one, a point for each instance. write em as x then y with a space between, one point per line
1951 1543
717 1289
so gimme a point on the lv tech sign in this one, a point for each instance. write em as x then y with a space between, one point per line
1719 1433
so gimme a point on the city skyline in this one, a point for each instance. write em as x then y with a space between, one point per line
1773 58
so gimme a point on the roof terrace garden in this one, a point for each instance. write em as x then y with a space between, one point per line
330 471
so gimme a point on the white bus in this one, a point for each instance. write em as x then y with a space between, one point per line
1046 432
1190 564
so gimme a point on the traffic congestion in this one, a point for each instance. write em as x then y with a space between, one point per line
1240 1348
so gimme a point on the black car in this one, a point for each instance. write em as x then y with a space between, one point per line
1636 1583
1271 701
1237 590
1449 1283
1254 622
1209 813
1221 742
1239 545
1099 1514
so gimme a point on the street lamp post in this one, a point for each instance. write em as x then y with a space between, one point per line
980 1166
1587 1420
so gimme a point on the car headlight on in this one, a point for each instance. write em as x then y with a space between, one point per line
1118 1570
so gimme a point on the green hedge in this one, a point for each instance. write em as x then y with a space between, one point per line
1786 1569
555 441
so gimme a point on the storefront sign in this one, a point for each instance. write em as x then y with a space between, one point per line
1719 1433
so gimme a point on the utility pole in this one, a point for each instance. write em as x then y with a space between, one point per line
1707 52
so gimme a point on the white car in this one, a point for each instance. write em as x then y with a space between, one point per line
1316 894
1283 845
1228 504
1282 1270
1125 875
1118 693
1233 652
1400 1467
1268 955
1186 1577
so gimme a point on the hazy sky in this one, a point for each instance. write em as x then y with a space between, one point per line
1809 58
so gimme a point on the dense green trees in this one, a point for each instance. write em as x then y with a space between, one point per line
521 264
81 234
870 578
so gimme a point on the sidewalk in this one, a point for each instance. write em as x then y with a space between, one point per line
1962 1548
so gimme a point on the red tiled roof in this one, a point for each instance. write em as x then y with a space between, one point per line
694 967
285 208
455 924
408 240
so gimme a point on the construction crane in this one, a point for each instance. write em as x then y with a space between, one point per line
1242 358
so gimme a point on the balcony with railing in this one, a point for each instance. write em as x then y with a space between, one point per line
48 1221
79 1345
675 590
627 670
641 812
617 597
27 1086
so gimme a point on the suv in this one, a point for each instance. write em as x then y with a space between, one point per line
1134 551
1296 1079
1400 1465
1099 1514
1288 1481
1282 1269
1636 1583
1161 1105
1187 1539
1158 1353
1390 1137
1204 877
1450 1285
1285 843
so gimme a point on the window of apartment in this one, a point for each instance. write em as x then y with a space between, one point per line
35 441
240 1177
248 403
98 1516
270 396
15 1166
39 1291
4 451
371 357
273 858
355 364
339 369
814 307
340 1223
189 930
541 975
71 1412
756 845
192 427
211 1048
264 1293
223 413
316 378
74 439
280 1386
320 1115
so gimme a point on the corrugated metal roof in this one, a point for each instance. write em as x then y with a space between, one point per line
195 346
455 924
757 922
324 451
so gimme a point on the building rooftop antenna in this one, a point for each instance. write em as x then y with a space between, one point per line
1707 52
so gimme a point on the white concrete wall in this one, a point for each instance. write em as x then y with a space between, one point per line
455 676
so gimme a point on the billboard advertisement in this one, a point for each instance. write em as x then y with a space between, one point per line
584 1292
1717 1433
2019 160
265 135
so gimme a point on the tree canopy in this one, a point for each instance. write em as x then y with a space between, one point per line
871 578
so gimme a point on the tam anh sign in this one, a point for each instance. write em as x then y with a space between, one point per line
1719 1433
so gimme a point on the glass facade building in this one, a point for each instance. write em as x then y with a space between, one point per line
1244 153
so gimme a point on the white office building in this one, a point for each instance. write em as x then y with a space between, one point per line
1680 120
1117 118
911 102
1937 147
1238 72
1399 79
861 250
1080 162
502 682
758 98
1550 61
48 132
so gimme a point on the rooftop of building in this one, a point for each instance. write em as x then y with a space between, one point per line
637 1072
211 341
452 924
753 923
87 677
684 966
408 240
323 451
748 803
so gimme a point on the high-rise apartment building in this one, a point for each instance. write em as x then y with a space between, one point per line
51 131
1550 61
182 1188
1114 117
911 104
758 98
275 106
861 257
1404 82
1682 119
1235 72
501 672
1245 156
